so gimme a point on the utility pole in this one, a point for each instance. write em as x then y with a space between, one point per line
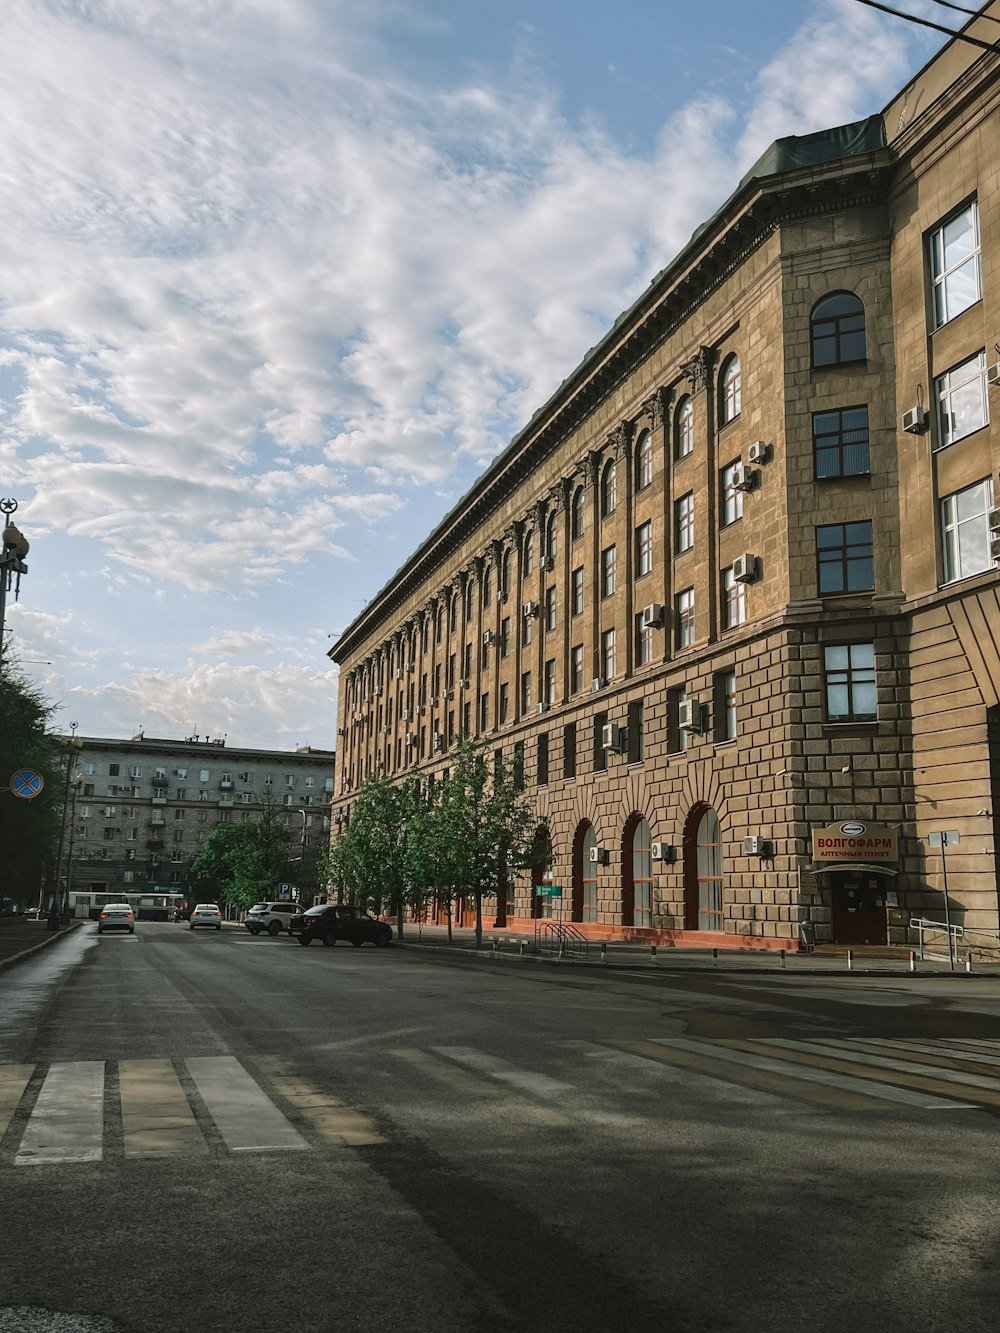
12 552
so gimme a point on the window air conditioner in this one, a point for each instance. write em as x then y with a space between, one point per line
652 616
488 638
464 683
399 673
406 715
548 563
759 452
745 568
993 375
421 710
449 694
378 691
387 731
915 421
661 851
529 609
599 856
755 846
690 715
409 742
743 478
438 741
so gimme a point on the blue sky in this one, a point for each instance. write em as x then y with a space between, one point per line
281 276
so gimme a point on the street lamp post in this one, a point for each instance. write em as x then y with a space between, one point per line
73 744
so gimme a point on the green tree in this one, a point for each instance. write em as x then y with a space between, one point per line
244 863
29 829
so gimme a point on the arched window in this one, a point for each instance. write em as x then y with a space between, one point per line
589 875
609 489
439 625
529 553
644 461
578 520
684 428
470 597
709 845
487 583
837 330
552 535
730 392
505 575
642 874
453 613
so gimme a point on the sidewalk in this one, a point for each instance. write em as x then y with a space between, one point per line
20 938
826 959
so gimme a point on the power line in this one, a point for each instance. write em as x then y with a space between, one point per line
976 13
926 23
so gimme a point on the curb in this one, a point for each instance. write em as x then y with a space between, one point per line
42 944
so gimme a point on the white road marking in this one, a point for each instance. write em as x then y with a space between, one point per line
246 1117
538 1084
67 1124
157 1120
842 1051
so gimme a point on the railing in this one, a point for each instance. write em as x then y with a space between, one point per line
935 935
560 938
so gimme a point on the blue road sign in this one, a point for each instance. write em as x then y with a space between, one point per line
285 890
27 783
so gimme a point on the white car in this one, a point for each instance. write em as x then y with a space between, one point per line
206 914
116 916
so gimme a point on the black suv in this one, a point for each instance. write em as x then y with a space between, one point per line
333 922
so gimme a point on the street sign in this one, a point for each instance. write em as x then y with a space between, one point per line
27 783
285 890
548 891
946 838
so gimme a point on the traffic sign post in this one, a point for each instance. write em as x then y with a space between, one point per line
285 890
943 839
27 783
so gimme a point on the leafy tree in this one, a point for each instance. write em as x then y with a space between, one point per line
244 863
29 829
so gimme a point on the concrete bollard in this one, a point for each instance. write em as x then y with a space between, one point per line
521 949
604 953
782 958
652 952
850 960
913 960
496 945
715 958
968 961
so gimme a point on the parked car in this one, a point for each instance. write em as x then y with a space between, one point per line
206 914
332 922
271 917
116 916
183 913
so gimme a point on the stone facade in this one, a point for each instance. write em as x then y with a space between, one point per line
811 639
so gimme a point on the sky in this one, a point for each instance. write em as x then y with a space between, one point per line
280 277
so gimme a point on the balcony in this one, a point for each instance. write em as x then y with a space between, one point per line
156 822
226 799
159 800
225 785
155 846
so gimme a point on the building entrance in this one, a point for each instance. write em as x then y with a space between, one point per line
859 907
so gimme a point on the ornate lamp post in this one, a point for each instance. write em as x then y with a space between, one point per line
73 744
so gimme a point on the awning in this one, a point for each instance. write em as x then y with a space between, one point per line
867 867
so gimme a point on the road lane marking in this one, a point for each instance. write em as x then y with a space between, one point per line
927 1053
763 1075
13 1081
67 1124
245 1116
157 1120
540 1085
329 1116
897 1073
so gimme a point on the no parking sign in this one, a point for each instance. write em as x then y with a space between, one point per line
27 783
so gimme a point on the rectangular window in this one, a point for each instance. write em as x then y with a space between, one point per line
504 702
577 591
965 531
452 677
577 668
484 712
135 771
128 876
643 549
684 618
550 610
114 770
289 780
543 759
600 753
525 692
850 682
179 815
178 835
643 642
608 574
840 443
636 738
569 750
608 664
517 768
956 265
730 496
962 402
734 599
181 794
205 774
467 719
528 623
676 737
844 558
437 678
549 685
724 705
684 523
505 636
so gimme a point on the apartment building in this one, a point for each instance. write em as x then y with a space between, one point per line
141 810
731 596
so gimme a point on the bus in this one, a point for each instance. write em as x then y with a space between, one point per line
146 906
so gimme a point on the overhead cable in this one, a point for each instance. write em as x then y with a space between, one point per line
976 13
926 23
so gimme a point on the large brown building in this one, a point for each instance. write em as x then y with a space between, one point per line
732 593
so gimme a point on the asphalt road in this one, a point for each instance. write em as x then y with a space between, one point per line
209 1131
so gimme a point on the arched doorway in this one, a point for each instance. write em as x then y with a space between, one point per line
540 865
703 871
584 905
637 873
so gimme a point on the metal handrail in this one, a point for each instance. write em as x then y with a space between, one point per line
951 933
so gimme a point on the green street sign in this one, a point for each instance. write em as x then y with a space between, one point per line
548 891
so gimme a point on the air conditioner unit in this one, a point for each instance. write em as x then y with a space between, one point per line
599 856
406 715
488 638
758 452
411 666
756 847
409 742
387 731
378 691
993 375
529 609
651 617
438 741
434 701
541 706
915 421
661 851
743 478
745 568
449 694
399 673
421 710
464 683
501 595
548 563
596 684
690 715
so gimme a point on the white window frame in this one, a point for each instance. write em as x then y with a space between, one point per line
942 271
964 384
954 565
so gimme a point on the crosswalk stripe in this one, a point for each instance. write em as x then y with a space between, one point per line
157 1120
770 1075
540 1085
13 1081
900 1073
67 1123
246 1117
978 1044
941 1056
